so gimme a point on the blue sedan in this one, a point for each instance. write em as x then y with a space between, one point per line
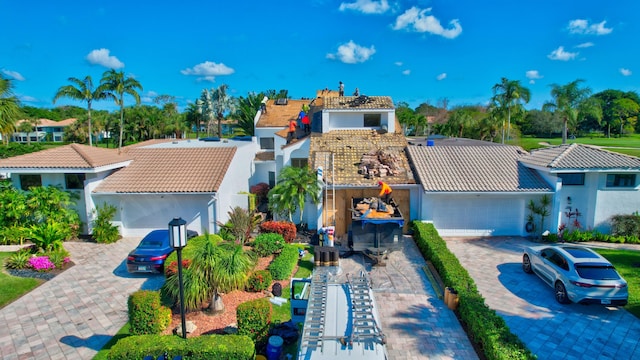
152 251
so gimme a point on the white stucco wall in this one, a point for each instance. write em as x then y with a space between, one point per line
354 119
613 201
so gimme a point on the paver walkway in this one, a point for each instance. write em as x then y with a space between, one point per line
527 304
73 315
416 323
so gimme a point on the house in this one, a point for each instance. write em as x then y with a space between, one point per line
591 184
45 130
149 183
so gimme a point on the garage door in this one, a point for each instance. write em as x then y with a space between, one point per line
478 216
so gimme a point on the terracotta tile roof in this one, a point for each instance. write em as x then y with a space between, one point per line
358 102
580 157
474 169
265 156
348 147
279 115
147 143
73 156
176 170
47 122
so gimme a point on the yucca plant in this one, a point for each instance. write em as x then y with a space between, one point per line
18 260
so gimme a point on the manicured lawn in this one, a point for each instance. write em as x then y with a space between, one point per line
12 287
627 263
612 144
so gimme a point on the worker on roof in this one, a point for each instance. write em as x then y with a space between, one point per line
385 190
291 133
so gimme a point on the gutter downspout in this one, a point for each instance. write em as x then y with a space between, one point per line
214 197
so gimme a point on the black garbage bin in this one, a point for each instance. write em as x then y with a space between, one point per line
276 289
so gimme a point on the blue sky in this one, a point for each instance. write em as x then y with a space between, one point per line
413 51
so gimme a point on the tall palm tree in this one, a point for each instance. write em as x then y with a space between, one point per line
246 112
216 103
82 90
116 84
9 109
568 101
508 95
294 186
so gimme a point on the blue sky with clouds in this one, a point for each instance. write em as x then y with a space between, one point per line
413 51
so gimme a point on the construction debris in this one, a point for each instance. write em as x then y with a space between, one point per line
379 163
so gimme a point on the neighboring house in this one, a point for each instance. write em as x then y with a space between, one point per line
591 184
150 183
45 130
475 188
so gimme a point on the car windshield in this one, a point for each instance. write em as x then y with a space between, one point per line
597 272
151 243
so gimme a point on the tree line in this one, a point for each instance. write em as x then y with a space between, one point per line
572 111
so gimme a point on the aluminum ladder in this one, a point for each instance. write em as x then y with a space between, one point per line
313 331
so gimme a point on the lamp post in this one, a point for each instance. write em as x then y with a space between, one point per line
178 237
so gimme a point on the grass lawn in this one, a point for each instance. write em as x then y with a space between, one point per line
612 144
12 287
627 262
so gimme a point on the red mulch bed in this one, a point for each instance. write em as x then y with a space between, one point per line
207 323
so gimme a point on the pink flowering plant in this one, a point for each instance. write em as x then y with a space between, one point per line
41 263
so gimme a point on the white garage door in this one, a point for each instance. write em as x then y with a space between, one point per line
478 216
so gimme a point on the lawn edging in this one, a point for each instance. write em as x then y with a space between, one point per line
484 326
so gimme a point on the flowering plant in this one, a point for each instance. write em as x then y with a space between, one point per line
41 263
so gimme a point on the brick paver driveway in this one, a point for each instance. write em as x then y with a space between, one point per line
550 330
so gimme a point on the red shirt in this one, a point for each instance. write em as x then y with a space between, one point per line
305 120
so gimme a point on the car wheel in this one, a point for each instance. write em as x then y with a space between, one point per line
561 293
526 264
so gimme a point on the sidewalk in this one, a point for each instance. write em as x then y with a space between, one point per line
74 315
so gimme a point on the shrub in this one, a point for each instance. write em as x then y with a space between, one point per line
268 243
59 257
103 230
485 327
625 225
146 313
282 266
284 228
259 281
230 347
172 268
19 259
13 235
241 223
254 319
49 235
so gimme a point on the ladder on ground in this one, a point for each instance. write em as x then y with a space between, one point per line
313 331
365 328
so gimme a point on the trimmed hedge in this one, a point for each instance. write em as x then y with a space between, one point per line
146 313
285 228
230 347
254 319
485 327
267 243
282 266
259 280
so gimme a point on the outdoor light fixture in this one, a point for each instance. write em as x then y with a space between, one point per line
569 200
178 239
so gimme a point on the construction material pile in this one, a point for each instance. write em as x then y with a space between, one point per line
373 208
379 163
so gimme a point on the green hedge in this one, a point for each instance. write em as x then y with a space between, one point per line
254 319
266 244
229 347
146 313
259 280
484 326
282 266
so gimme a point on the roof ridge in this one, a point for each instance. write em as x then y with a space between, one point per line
563 154
77 148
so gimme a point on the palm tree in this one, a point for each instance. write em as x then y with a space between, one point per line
116 84
509 94
246 112
83 91
216 102
568 102
294 186
9 109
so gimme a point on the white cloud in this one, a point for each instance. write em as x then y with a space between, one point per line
352 53
406 72
560 54
625 72
585 45
581 26
441 76
366 6
27 98
102 57
416 19
398 63
208 71
533 75
13 74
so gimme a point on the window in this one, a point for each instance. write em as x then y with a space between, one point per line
272 179
29 181
372 120
299 162
74 181
572 178
266 144
621 180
